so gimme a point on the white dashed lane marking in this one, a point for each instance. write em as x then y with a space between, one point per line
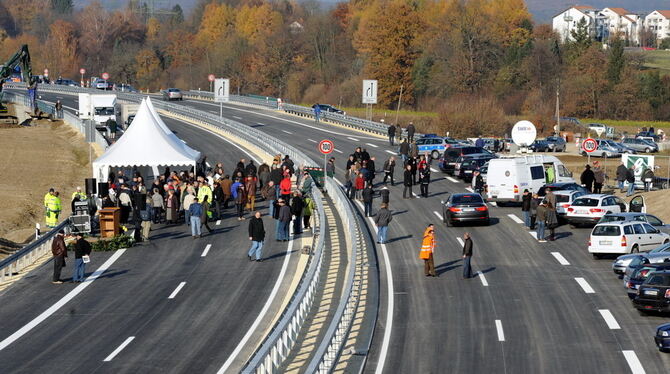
633 362
119 349
288 132
371 145
499 329
391 152
452 179
585 285
559 257
176 290
609 319
515 218
354 139
204 253
438 215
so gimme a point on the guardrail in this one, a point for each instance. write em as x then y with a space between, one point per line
14 264
263 101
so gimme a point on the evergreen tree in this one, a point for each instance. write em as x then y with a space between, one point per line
62 6
616 61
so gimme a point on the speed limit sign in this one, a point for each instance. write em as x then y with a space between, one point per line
326 147
211 77
589 145
105 76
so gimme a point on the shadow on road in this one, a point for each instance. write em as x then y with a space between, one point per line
399 238
446 266
279 255
492 268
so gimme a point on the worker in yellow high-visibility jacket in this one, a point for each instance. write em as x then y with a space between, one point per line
54 208
78 193
47 199
203 191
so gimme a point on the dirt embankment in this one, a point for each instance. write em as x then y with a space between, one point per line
32 160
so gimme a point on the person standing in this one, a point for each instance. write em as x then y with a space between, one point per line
368 194
391 133
382 220
389 168
648 179
550 174
384 193
359 185
113 128
297 205
82 249
621 173
59 109
407 182
404 150
285 188
257 236
552 221
307 212
550 198
317 112
398 132
587 178
410 132
424 179
599 177
526 199
239 194
250 187
427 249
171 207
534 203
53 208
157 205
541 221
145 216
218 196
204 217
478 182
630 178
59 252
283 220
195 211
467 256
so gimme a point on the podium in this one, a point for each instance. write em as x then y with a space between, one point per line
110 219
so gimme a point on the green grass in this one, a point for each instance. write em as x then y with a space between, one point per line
626 123
658 60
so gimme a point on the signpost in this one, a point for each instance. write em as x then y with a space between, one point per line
211 79
221 93
326 147
589 145
82 71
105 76
46 73
369 95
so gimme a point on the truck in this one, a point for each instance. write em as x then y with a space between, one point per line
98 108
509 176
128 112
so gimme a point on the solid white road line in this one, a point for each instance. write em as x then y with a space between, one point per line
372 145
469 189
236 117
559 257
227 141
70 295
460 240
515 218
218 222
176 290
204 253
499 329
338 151
483 279
434 170
633 362
609 319
438 215
585 285
452 179
354 139
288 132
119 349
263 311
391 152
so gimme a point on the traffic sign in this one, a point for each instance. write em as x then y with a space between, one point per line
211 77
326 147
46 72
221 90
370 91
82 71
105 76
589 145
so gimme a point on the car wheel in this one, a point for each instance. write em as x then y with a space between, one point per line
487 222
435 155
647 150
596 256
666 241
449 222
635 249
584 153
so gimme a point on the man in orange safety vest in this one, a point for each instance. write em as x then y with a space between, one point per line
427 248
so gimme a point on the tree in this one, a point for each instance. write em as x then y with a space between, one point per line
177 16
616 60
581 38
62 6
63 44
148 69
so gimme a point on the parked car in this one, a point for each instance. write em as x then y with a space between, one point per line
331 109
654 294
589 209
624 237
484 171
662 338
635 216
621 263
467 165
172 94
465 207
126 88
562 186
556 143
648 134
539 145
640 145
639 274
66 82
565 198
433 144
641 259
605 149
447 162
598 128
571 120
101 84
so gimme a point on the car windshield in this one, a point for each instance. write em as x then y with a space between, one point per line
467 199
663 248
611 218
173 90
658 280
606 230
104 111
586 202
562 198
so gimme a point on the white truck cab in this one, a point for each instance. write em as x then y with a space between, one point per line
509 176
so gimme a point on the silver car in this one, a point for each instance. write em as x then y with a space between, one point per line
644 258
172 94
640 145
556 144
605 149
621 263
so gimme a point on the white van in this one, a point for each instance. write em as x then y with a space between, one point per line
509 176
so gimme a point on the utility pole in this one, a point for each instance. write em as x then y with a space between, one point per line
558 103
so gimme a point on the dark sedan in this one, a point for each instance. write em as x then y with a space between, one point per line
640 273
471 163
330 109
654 294
662 337
540 146
465 207
556 143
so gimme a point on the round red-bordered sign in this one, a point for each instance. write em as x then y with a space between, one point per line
326 147
589 145
211 77
82 71
105 76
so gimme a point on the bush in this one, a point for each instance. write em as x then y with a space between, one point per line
471 115
113 244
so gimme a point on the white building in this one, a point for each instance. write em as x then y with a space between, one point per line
619 21
658 22
566 22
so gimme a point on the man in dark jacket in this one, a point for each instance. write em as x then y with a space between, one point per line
370 176
621 173
257 236
410 131
382 220
404 150
218 197
384 193
283 220
389 168
424 179
297 204
81 248
526 199
630 178
407 182
59 251
587 178
391 132
478 182
467 256
368 193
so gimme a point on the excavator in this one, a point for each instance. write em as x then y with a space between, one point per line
21 59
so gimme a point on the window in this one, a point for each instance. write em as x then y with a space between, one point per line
537 172
658 280
638 229
562 171
606 230
628 230
649 228
467 199
586 202
654 221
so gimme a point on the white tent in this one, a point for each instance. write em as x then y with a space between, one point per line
147 142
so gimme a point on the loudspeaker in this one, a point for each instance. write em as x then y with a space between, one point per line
90 186
103 189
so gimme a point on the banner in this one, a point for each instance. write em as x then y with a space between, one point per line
641 163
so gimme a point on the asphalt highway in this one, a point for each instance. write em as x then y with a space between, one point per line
173 305
535 307
526 312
